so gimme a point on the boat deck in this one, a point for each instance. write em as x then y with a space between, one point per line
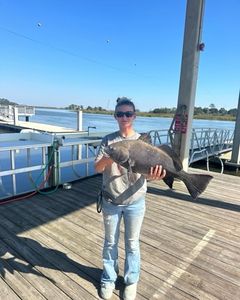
51 244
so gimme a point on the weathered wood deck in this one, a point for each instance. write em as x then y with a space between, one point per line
51 244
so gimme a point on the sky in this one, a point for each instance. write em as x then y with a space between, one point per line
89 52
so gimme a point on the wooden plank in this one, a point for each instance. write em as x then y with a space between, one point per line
78 269
171 212
32 254
65 240
76 221
152 281
178 261
16 268
194 233
6 292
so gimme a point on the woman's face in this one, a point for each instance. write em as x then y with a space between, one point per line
125 116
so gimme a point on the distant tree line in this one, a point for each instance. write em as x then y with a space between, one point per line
214 111
211 110
4 101
88 108
198 111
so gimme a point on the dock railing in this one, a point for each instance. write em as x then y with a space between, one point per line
11 113
205 142
33 161
26 110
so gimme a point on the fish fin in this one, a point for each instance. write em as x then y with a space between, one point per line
169 181
130 164
170 152
130 178
145 137
195 183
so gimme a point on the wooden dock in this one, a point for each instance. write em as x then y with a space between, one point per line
51 244
9 126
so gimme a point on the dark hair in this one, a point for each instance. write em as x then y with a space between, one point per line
124 101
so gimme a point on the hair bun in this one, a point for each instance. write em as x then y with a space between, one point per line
120 99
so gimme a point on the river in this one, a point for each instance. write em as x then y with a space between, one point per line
107 123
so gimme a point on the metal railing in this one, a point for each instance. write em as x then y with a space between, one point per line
32 160
160 137
205 142
29 165
26 110
7 112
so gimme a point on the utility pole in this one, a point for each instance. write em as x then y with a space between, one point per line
192 45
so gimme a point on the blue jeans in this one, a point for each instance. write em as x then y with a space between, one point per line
132 215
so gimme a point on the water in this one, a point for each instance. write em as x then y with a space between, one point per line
107 123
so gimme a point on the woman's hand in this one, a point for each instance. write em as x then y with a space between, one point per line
156 173
103 163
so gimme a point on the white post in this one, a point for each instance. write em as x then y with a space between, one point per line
15 115
79 120
79 128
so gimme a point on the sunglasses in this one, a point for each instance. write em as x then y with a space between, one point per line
121 114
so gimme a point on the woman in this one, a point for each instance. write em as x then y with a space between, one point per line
129 198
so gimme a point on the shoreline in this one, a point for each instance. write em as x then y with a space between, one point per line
149 114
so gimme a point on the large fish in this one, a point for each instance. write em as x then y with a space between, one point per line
138 157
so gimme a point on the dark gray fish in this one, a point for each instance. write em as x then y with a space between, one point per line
138 156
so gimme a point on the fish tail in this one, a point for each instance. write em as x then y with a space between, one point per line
169 181
195 183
